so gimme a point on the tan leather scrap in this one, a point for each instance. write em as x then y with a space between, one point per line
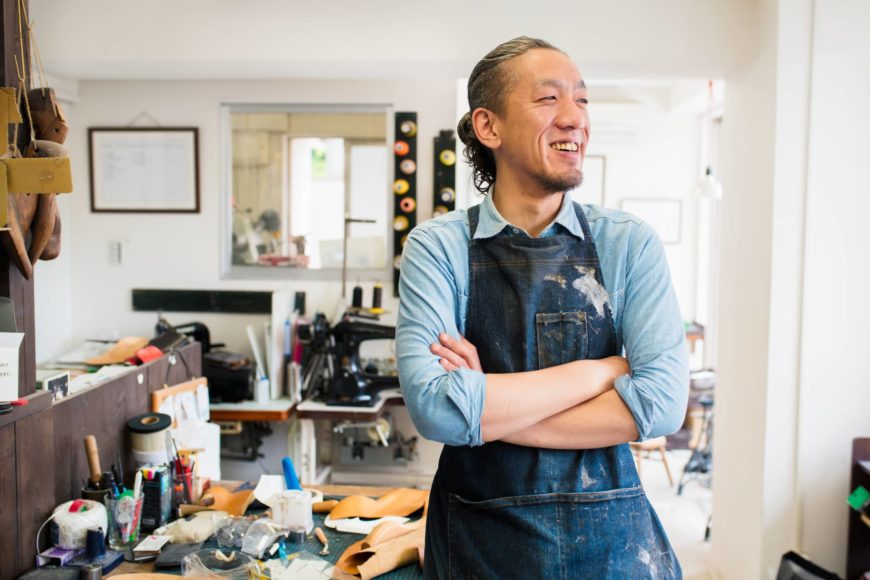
120 351
388 547
396 502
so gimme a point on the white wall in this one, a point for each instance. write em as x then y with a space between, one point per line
835 389
792 392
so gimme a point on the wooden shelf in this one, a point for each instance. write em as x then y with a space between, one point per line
277 410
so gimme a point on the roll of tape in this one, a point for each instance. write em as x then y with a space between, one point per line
71 527
158 457
447 195
148 434
439 210
149 423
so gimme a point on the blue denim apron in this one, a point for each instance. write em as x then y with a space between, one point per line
508 511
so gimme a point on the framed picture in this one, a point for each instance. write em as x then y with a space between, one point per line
592 188
664 215
136 169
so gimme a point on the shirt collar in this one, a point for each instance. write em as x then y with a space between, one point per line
492 223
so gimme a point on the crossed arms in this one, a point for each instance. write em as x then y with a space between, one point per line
582 404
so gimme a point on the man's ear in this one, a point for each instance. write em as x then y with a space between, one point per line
485 127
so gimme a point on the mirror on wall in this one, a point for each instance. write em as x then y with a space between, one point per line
295 174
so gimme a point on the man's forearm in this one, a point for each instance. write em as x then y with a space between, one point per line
516 401
599 422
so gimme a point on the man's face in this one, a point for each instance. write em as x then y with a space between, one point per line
543 128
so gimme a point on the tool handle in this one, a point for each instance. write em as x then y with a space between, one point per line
291 480
321 536
93 459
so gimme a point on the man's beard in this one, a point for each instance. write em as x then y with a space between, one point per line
561 183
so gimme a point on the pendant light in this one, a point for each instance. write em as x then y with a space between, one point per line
708 187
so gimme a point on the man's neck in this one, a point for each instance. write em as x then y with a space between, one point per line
531 212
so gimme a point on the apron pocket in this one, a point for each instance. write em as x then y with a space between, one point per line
608 534
561 338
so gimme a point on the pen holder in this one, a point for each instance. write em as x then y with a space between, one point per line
125 514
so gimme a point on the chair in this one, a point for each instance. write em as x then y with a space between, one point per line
648 446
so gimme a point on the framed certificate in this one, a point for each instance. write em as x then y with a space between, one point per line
136 169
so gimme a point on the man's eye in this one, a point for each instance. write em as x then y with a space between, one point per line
548 98
582 101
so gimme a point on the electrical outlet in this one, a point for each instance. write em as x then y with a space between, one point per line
115 252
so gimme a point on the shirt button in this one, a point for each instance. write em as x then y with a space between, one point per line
516 231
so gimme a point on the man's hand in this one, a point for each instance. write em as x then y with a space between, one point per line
455 354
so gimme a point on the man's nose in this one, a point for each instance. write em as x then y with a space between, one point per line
570 115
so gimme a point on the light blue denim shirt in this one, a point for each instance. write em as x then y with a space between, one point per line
433 290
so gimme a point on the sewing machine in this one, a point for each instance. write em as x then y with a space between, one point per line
333 364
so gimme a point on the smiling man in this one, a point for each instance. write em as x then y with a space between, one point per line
512 322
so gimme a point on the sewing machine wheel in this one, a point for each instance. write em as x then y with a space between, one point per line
386 428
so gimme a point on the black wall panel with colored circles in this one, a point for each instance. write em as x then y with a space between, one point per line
404 186
444 176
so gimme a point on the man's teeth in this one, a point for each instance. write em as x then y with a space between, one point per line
564 146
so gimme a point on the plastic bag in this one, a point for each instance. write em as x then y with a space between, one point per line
230 565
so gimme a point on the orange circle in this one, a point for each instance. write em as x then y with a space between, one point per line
400 223
401 148
401 186
407 204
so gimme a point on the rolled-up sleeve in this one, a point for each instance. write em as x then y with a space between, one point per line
445 407
657 390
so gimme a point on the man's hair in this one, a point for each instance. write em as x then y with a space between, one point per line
489 83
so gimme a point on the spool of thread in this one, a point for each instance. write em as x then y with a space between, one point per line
70 528
357 297
149 437
377 297
95 544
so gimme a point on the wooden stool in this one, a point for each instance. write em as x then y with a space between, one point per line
652 445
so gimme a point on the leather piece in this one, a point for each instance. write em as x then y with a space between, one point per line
396 502
13 238
388 547
120 351
49 120
9 114
234 503
323 507
34 175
